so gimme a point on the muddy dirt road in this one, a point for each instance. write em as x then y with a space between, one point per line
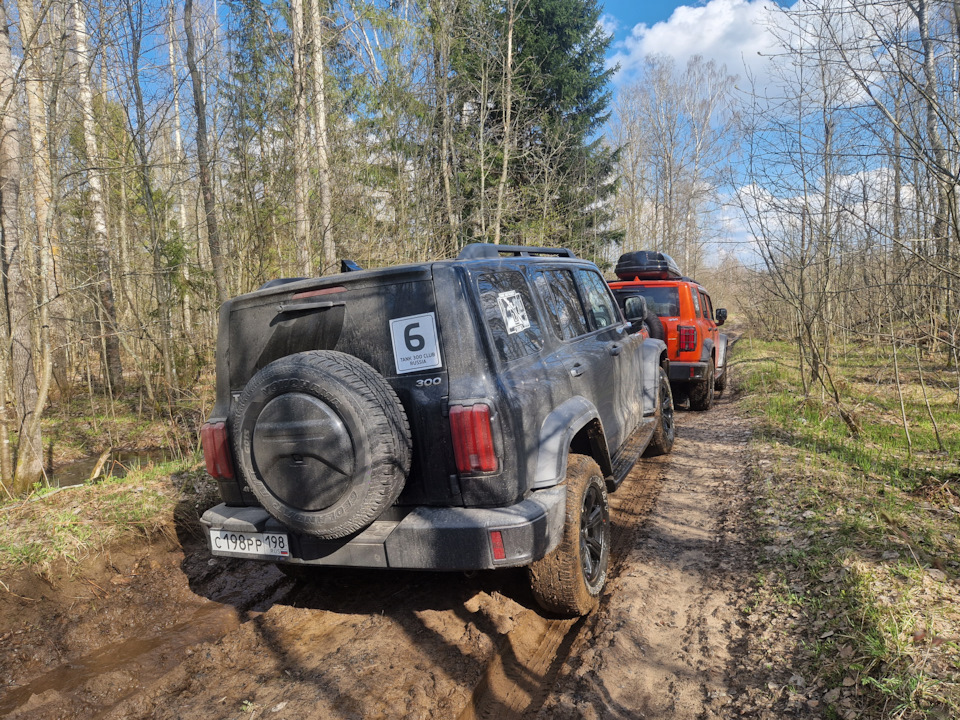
160 630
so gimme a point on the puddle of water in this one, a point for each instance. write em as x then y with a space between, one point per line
146 659
118 464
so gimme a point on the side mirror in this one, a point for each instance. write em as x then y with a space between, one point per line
721 316
635 307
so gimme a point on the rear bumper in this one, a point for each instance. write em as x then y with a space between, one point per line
687 371
426 538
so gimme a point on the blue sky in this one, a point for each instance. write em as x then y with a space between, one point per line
631 12
731 32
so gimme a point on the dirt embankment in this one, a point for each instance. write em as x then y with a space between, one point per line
160 630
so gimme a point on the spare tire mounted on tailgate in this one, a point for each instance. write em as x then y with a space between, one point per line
323 442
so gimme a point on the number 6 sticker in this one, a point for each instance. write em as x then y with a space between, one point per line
415 345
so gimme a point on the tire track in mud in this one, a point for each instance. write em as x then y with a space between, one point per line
346 644
521 675
663 644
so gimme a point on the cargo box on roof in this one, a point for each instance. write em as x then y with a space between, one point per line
647 265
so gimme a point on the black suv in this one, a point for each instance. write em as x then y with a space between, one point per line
454 415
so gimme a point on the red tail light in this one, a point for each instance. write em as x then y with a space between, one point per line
496 541
216 450
687 338
472 439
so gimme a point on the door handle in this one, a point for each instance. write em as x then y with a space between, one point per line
616 349
576 370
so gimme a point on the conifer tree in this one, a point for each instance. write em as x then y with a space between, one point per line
567 171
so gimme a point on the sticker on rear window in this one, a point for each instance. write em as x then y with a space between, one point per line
415 345
514 314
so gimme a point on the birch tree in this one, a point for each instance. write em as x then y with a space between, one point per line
106 307
21 306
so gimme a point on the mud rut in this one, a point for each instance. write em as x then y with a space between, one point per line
166 632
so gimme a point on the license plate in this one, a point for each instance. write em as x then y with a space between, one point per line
269 545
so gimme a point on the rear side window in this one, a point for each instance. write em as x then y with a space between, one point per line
661 301
558 290
707 306
600 306
696 301
510 315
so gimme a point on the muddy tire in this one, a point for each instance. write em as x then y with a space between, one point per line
701 394
721 384
569 580
662 441
655 326
322 441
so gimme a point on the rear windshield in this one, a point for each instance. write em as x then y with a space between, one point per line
663 301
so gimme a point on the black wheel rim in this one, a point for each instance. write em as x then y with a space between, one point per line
593 534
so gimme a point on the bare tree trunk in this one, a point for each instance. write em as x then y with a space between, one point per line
327 246
107 308
20 306
507 119
178 165
42 195
161 276
6 452
443 35
300 151
203 158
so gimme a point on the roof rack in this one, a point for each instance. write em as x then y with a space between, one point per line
487 251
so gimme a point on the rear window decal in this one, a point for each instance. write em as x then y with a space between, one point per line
515 317
415 345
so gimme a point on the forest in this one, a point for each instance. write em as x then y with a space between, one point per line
158 158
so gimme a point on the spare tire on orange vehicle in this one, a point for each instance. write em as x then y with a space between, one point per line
323 442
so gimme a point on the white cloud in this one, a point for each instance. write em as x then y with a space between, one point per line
731 32
609 24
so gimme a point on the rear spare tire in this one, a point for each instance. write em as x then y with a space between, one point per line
323 442
655 326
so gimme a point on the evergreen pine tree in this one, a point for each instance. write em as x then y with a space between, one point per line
560 51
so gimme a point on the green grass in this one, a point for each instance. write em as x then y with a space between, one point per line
865 530
72 524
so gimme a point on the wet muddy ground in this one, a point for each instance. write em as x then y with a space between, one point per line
158 629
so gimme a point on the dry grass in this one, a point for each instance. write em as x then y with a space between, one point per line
859 535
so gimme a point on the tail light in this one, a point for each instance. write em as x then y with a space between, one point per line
216 450
687 338
472 439
496 542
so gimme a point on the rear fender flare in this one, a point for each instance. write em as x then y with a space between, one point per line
707 350
575 420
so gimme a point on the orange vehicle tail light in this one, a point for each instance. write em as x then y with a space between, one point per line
216 450
472 439
686 338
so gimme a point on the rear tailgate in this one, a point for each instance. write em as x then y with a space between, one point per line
388 319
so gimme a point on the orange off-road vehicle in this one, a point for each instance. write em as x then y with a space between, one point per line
697 350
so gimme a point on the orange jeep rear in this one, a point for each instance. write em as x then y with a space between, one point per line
696 348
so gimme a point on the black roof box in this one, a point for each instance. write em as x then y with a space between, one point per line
647 265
